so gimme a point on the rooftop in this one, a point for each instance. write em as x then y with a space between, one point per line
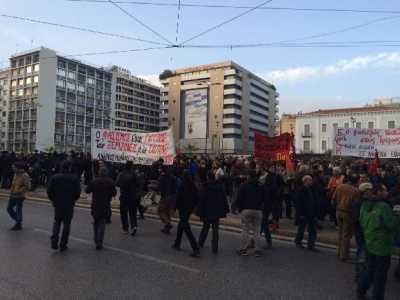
377 108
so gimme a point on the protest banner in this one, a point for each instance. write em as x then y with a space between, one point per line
365 143
273 148
138 147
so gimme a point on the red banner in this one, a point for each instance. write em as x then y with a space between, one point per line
274 148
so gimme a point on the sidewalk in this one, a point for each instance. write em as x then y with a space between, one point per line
286 230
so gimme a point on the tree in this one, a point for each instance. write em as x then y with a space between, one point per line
166 74
189 148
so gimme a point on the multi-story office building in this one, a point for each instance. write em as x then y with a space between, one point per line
137 102
4 84
55 101
218 107
315 131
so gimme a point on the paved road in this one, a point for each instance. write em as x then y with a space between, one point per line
145 267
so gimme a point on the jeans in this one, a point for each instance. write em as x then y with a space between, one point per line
62 216
376 275
184 226
345 233
312 232
14 209
360 266
99 228
265 227
215 235
128 213
251 227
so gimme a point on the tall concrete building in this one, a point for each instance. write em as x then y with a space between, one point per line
4 91
217 108
137 102
55 101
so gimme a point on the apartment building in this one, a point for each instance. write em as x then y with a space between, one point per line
55 101
315 131
217 108
137 102
4 87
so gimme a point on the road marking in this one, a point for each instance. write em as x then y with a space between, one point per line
134 254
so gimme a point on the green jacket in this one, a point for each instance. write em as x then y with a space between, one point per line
380 226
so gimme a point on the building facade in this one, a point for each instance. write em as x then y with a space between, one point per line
217 108
315 131
4 93
137 102
55 101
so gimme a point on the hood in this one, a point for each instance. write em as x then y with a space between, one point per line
370 201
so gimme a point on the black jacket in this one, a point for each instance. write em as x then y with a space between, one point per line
127 182
251 196
213 204
307 203
187 198
103 189
64 190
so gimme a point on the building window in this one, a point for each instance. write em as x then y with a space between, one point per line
28 80
323 146
391 124
370 125
358 125
323 127
36 68
20 82
335 126
307 130
306 146
346 125
29 70
36 79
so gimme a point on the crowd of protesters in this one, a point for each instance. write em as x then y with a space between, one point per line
358 200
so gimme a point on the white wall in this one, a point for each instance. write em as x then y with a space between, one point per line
46 113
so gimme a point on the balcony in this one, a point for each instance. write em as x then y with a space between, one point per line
306 135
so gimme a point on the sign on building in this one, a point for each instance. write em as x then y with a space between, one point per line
140 148
196 112
365 142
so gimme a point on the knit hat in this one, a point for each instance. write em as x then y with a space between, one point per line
365 187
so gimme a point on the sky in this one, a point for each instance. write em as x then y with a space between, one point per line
307 78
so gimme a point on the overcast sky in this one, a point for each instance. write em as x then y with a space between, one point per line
307 78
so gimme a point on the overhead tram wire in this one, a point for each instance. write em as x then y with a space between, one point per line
223 6
82 29
308 37
178 17
140 22
75 56
225 22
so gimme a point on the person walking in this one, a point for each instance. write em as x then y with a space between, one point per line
186 200
306 213
343 199
63 191
365 193
379 224
103 190
129 202
213 205
21 184
250 203
168 188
